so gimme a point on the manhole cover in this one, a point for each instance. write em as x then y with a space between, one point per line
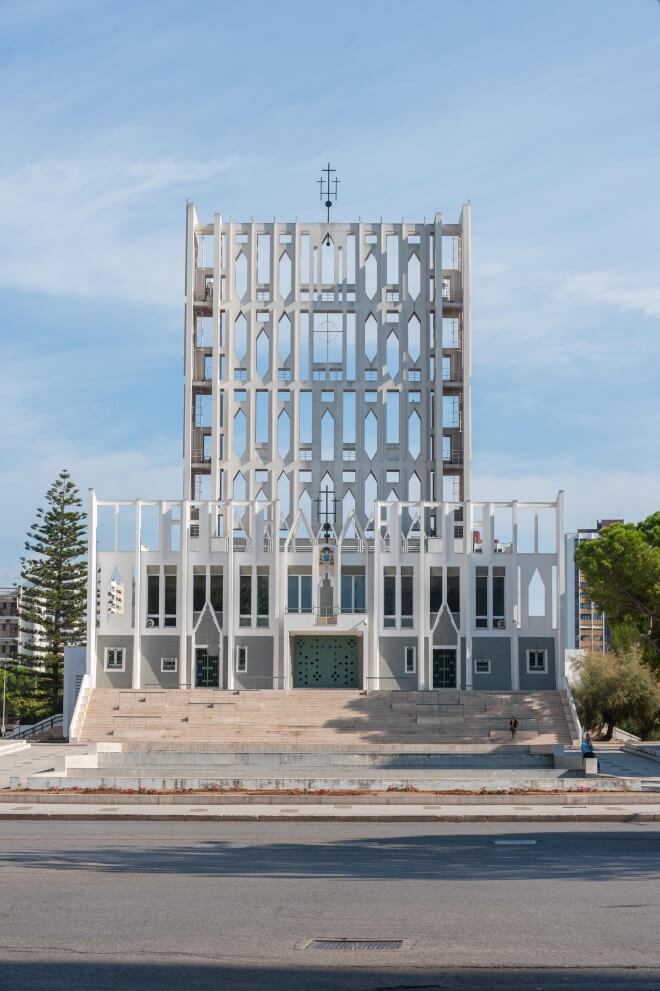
355 944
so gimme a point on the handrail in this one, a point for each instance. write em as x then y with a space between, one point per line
577 725
22 732
81 701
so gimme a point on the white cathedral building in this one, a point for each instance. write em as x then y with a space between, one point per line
327 536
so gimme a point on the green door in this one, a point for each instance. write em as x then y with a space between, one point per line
207 669
325 662
444 668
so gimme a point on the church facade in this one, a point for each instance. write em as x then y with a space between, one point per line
326 536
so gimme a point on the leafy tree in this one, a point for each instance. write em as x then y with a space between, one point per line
617 689
52 607
622 571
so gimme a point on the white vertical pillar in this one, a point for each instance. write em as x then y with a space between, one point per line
137 631
184 592
467 594
422 610
515 598
466 224
91 659
560 592
189 345
231 605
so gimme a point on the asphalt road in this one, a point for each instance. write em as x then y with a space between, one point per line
229 905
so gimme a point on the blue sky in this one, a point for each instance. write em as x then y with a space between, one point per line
546 115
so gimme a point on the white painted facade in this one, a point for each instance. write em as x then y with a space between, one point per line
326 535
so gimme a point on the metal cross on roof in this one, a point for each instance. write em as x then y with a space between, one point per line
329 509
328 187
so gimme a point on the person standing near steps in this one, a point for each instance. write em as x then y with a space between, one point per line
513 726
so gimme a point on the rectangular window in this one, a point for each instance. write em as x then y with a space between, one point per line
348 420
352 593
216 590
199 589
262 598
262 418
115 658
153 600
245 600
169 665
299 593
170 600
481 598
454 590
499 621
392 418
406 597
410 659
241 658
435 591
305 415
482 665
389 597
537 662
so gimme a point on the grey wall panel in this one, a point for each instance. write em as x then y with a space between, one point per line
498 650
114 679
537 681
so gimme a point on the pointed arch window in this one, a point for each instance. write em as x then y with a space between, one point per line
371 337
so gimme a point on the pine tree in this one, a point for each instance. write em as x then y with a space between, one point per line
52 610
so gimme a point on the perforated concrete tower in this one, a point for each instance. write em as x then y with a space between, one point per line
327 362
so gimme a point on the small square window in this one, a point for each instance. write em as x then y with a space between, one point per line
414 375
349 454
327 397
482 665
115 658
348 475
261 475
240 395
305 476
305 454
240 374
169 665
318 375
371 396
285 239
414 396
537 661
336 375
284 395
284 374
411 659
371 375
263 316
241 238
413 239
392 317
392 476
371 239
241 658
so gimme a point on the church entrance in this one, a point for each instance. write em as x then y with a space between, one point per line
325 662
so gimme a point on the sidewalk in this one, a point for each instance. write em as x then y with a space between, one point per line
255 812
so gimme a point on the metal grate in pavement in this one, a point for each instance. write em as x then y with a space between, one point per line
355 944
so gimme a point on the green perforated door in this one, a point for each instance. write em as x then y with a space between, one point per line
325 662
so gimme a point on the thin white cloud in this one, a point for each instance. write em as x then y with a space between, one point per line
95 225
623 291
590 493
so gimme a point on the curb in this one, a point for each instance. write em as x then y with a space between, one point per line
353 817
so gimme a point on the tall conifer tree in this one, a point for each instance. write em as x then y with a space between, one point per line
52 611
